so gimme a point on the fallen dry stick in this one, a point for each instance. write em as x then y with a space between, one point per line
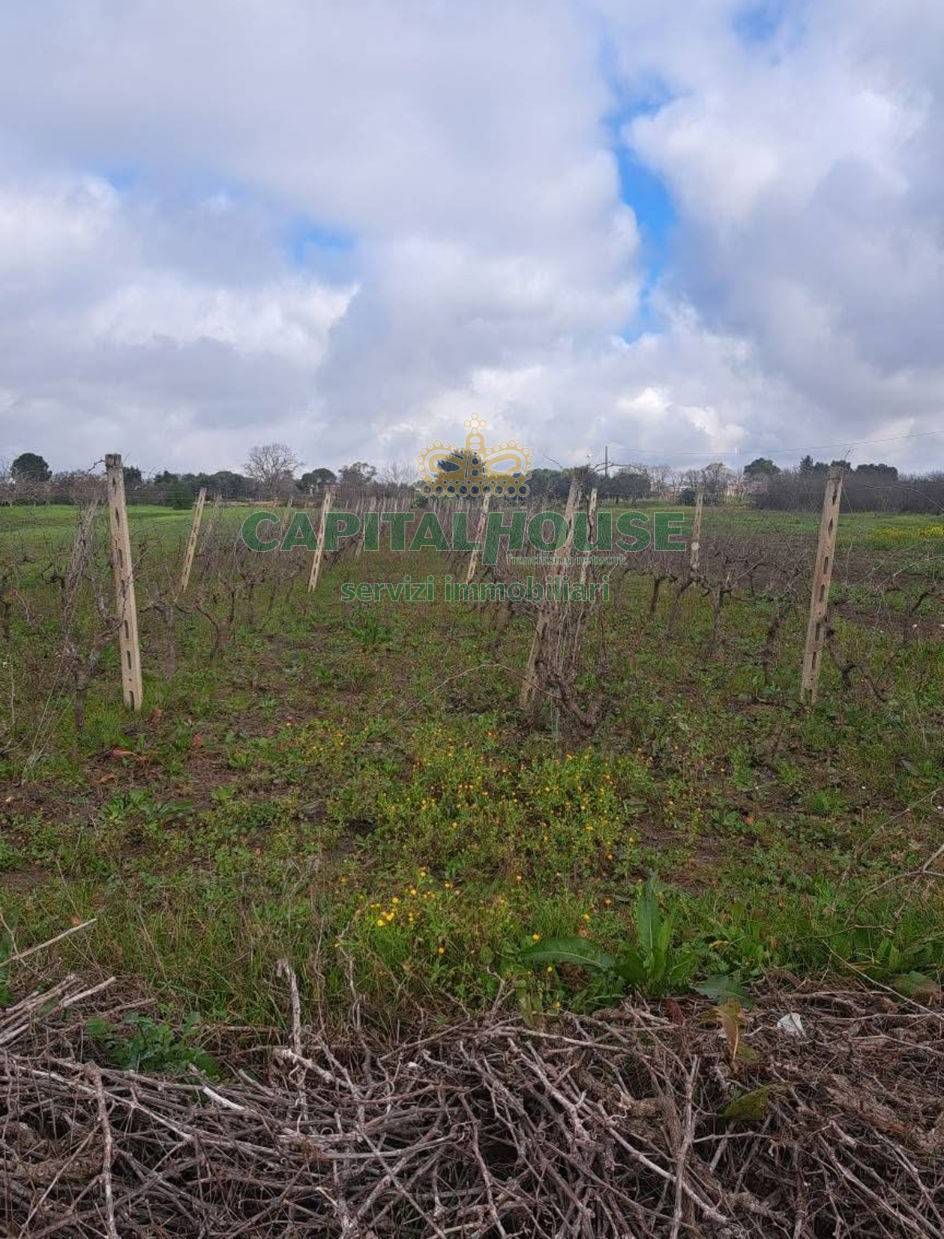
594 1127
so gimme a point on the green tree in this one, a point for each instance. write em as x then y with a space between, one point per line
358 473
631 484
887 473
314 479
549 483
763 467
715 478
30 467
179 495
225 483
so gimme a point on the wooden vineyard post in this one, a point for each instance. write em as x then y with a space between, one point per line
129 649
81 552
192 541
81 547
530 683
362 537
591 518
214 515
287 514
359 544
360 511
319 549
694 550
479 535
822 575
577 630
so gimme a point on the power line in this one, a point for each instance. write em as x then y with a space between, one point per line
806 449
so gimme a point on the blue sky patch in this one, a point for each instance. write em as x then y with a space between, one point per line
759 21
642 189
307 240
120 176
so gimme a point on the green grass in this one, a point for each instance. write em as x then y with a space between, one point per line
354 788
59 519
856 528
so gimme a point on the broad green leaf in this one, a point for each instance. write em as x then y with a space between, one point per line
749 1106
720 988
577 951
915 985
648 917
632 968
662 949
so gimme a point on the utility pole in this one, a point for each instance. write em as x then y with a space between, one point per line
606 460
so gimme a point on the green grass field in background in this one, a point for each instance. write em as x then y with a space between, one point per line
353 787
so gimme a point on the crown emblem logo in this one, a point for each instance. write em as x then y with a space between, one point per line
475 469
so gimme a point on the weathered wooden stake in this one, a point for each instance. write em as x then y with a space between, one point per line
479 535
368 511
319 549
530 683
591 526
192 541
128 648
213 517
694 550
79 558
822 575
287 514
81 548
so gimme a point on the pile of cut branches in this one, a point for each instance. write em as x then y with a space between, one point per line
811 1113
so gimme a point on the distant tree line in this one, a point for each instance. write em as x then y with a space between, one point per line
273 472
866 488
269 474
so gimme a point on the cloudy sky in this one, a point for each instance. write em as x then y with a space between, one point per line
687 229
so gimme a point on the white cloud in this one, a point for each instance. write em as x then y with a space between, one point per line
290 320
158 158
809 203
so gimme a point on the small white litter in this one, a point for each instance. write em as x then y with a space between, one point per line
791 1024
